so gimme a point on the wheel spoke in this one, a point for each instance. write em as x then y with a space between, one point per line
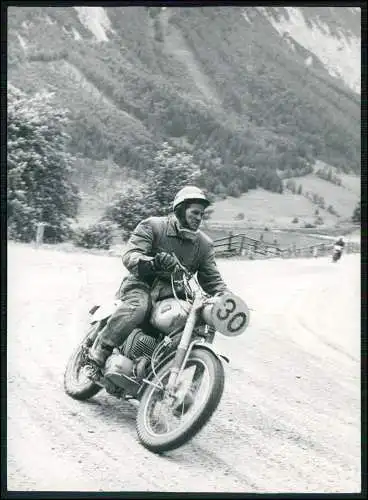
164 417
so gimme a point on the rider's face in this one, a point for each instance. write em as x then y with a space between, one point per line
194 215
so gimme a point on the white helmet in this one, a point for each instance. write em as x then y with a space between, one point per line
191 193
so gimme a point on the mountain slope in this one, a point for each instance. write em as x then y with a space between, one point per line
251 92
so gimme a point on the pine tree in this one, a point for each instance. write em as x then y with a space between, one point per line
171 171
39 168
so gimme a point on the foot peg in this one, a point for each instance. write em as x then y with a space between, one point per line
99 352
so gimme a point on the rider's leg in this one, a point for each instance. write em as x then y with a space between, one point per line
130 314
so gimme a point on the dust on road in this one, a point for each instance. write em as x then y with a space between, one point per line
289 420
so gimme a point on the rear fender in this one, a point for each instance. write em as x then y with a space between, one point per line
99 313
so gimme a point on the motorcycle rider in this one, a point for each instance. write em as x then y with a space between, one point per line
339 246
150 262
340 243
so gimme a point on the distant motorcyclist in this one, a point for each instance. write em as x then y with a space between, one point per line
150 261
338 248
340 243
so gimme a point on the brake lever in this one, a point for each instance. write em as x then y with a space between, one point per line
186 272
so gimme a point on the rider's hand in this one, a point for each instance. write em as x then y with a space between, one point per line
165 262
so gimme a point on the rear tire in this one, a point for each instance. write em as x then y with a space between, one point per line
159 443
75 388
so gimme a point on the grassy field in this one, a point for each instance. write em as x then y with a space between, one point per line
343 198
271 214
351 182
262 208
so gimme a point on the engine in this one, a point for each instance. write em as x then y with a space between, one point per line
139 344
124 370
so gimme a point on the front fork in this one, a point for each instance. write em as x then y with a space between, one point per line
184 349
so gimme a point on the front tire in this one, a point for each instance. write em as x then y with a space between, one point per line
194 418
76 385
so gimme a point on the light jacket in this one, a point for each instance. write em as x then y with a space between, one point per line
163 234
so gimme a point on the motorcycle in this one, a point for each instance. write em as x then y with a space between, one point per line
168 367
337 252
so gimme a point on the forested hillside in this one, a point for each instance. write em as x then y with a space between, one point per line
252 106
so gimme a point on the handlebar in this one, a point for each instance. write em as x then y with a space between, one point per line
182 268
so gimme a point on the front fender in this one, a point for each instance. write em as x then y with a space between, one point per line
201 345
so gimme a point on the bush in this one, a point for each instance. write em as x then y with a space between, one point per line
99 235
233 190
308 225
319 220
332 211
295 220
239 216
356 214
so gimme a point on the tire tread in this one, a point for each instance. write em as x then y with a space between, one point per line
90 389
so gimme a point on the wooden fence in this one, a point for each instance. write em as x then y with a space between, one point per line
239 244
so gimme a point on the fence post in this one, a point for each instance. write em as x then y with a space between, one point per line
241 252
39 233
230 241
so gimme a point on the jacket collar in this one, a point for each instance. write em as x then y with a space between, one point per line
174 229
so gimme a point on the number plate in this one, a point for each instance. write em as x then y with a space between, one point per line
230 315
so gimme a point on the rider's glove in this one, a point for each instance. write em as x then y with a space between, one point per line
162 265
164 262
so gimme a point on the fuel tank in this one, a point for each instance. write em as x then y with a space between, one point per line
170 314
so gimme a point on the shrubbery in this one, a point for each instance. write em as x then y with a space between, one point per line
332 211
327 175
98 235
356 214
318 220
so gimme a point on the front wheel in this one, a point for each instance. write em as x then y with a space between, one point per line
164 424
76 383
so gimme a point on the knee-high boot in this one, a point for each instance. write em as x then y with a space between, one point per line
100 350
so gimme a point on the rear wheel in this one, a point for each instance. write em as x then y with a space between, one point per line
76 383
164 424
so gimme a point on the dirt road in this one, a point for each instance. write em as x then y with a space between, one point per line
289 420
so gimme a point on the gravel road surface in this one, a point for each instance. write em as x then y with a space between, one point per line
289 420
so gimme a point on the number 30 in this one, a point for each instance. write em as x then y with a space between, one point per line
230 307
